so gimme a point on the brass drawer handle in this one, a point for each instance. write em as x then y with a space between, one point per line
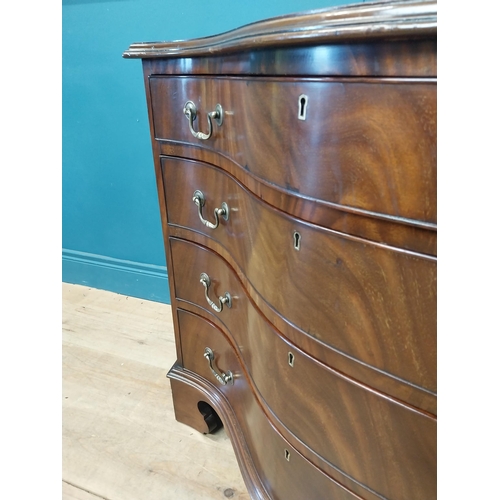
223 378
190 112
225 299
199 200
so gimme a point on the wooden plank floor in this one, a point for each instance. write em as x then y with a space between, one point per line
120 438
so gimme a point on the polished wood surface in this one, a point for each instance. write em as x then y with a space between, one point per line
411 59
384 433
267 447
367 131
192 260
326 159
381 381
413 235
337 289
378 20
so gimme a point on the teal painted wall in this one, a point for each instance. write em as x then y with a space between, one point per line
111 225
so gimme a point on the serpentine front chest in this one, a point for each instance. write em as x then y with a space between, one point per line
295 161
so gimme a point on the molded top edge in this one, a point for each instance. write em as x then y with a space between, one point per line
356 22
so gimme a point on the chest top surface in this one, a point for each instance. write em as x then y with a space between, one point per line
388 38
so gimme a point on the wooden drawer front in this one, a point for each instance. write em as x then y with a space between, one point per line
372 440
191 260
284 479
373 303
370 146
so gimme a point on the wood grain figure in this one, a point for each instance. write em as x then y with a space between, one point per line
295 160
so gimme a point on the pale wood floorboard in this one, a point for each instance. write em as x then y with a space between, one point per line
120 437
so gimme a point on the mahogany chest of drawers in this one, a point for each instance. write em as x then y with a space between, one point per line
295 161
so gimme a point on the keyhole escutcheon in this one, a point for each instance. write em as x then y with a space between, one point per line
302 106
296 240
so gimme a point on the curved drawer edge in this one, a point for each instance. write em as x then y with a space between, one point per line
237 438
294 333
197 310
242 173
408 234
275 208
318 461
233 429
